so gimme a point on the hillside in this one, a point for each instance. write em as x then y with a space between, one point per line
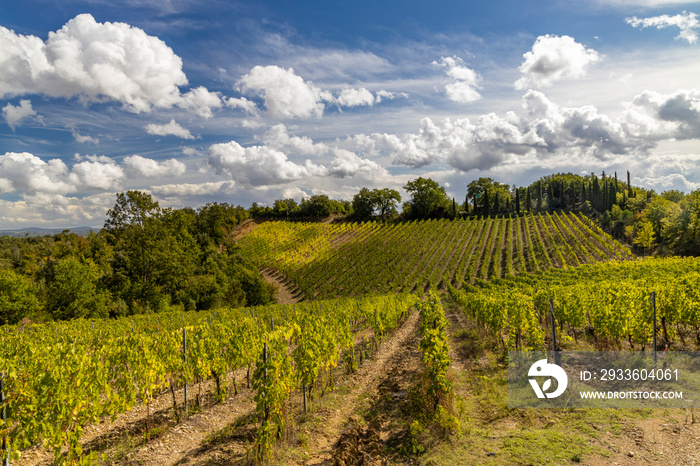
327 260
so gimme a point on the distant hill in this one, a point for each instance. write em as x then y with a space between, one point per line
34 231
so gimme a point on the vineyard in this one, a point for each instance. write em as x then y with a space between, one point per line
59 378
349 259
609 301
363 282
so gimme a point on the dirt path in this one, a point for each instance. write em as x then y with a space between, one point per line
287 293
368 383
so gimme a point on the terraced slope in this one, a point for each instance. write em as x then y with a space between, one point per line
327 260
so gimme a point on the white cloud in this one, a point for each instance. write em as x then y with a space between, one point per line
201 101
657 116
286 95
254 165
103 174
347 164
278 138
55 210
195 189
83 139
464 81
553 58
666 182
546 131
355 98
168 129
149 168
14 115
97 62
242 103
26 172
386 95
687 23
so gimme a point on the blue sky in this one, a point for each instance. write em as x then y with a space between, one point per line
235 102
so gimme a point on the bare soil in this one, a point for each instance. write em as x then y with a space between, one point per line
287 292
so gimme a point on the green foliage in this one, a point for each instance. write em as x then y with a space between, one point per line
428 199
645 235
368 203
72 291
18 297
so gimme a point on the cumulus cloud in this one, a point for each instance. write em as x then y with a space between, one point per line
286 94
97 173
687 23
83 139
46 209
97 62
242 103
278 138
355 97
553 58
26 172
195 189
14 115
666 182
201 101
168 129
348 164
149 168
463 83
255 165
655 116
546 130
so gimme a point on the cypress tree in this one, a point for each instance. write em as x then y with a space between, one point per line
487 206
496 206
517 201
630 194
539 196
528 200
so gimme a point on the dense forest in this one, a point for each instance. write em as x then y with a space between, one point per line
145 259
149 259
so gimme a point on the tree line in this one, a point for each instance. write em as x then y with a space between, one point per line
145 259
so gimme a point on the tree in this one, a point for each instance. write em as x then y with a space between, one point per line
18 297
385 201
73 292
528 200
661 212
630 193
645 236
363 204
493 194
318 205
517 201
428 199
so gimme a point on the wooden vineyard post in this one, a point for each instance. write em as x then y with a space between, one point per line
184 356
557 353
5 446
653 306
267 407
303 389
